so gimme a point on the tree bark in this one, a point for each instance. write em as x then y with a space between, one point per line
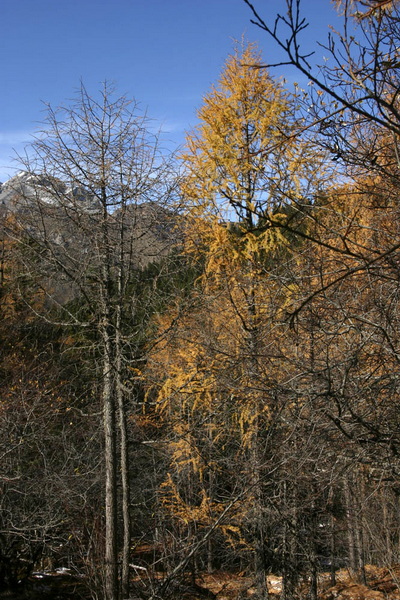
350 525
111 563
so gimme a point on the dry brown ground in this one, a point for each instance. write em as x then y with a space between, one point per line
382 584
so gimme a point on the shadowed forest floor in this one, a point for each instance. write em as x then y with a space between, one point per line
381 584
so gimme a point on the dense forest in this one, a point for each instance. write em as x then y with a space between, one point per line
199 351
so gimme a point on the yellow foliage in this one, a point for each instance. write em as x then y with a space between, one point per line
244 157
222 358
203 513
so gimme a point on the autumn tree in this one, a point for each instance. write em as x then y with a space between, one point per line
352 110
240 165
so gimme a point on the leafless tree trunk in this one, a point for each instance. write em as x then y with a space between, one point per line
93 214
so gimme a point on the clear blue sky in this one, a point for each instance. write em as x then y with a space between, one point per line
164 53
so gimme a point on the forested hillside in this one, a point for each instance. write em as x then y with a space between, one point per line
200 353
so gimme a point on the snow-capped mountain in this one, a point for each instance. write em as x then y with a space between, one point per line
25 189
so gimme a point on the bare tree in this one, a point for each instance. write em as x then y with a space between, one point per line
92 213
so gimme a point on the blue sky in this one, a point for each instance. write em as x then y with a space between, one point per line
164 53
